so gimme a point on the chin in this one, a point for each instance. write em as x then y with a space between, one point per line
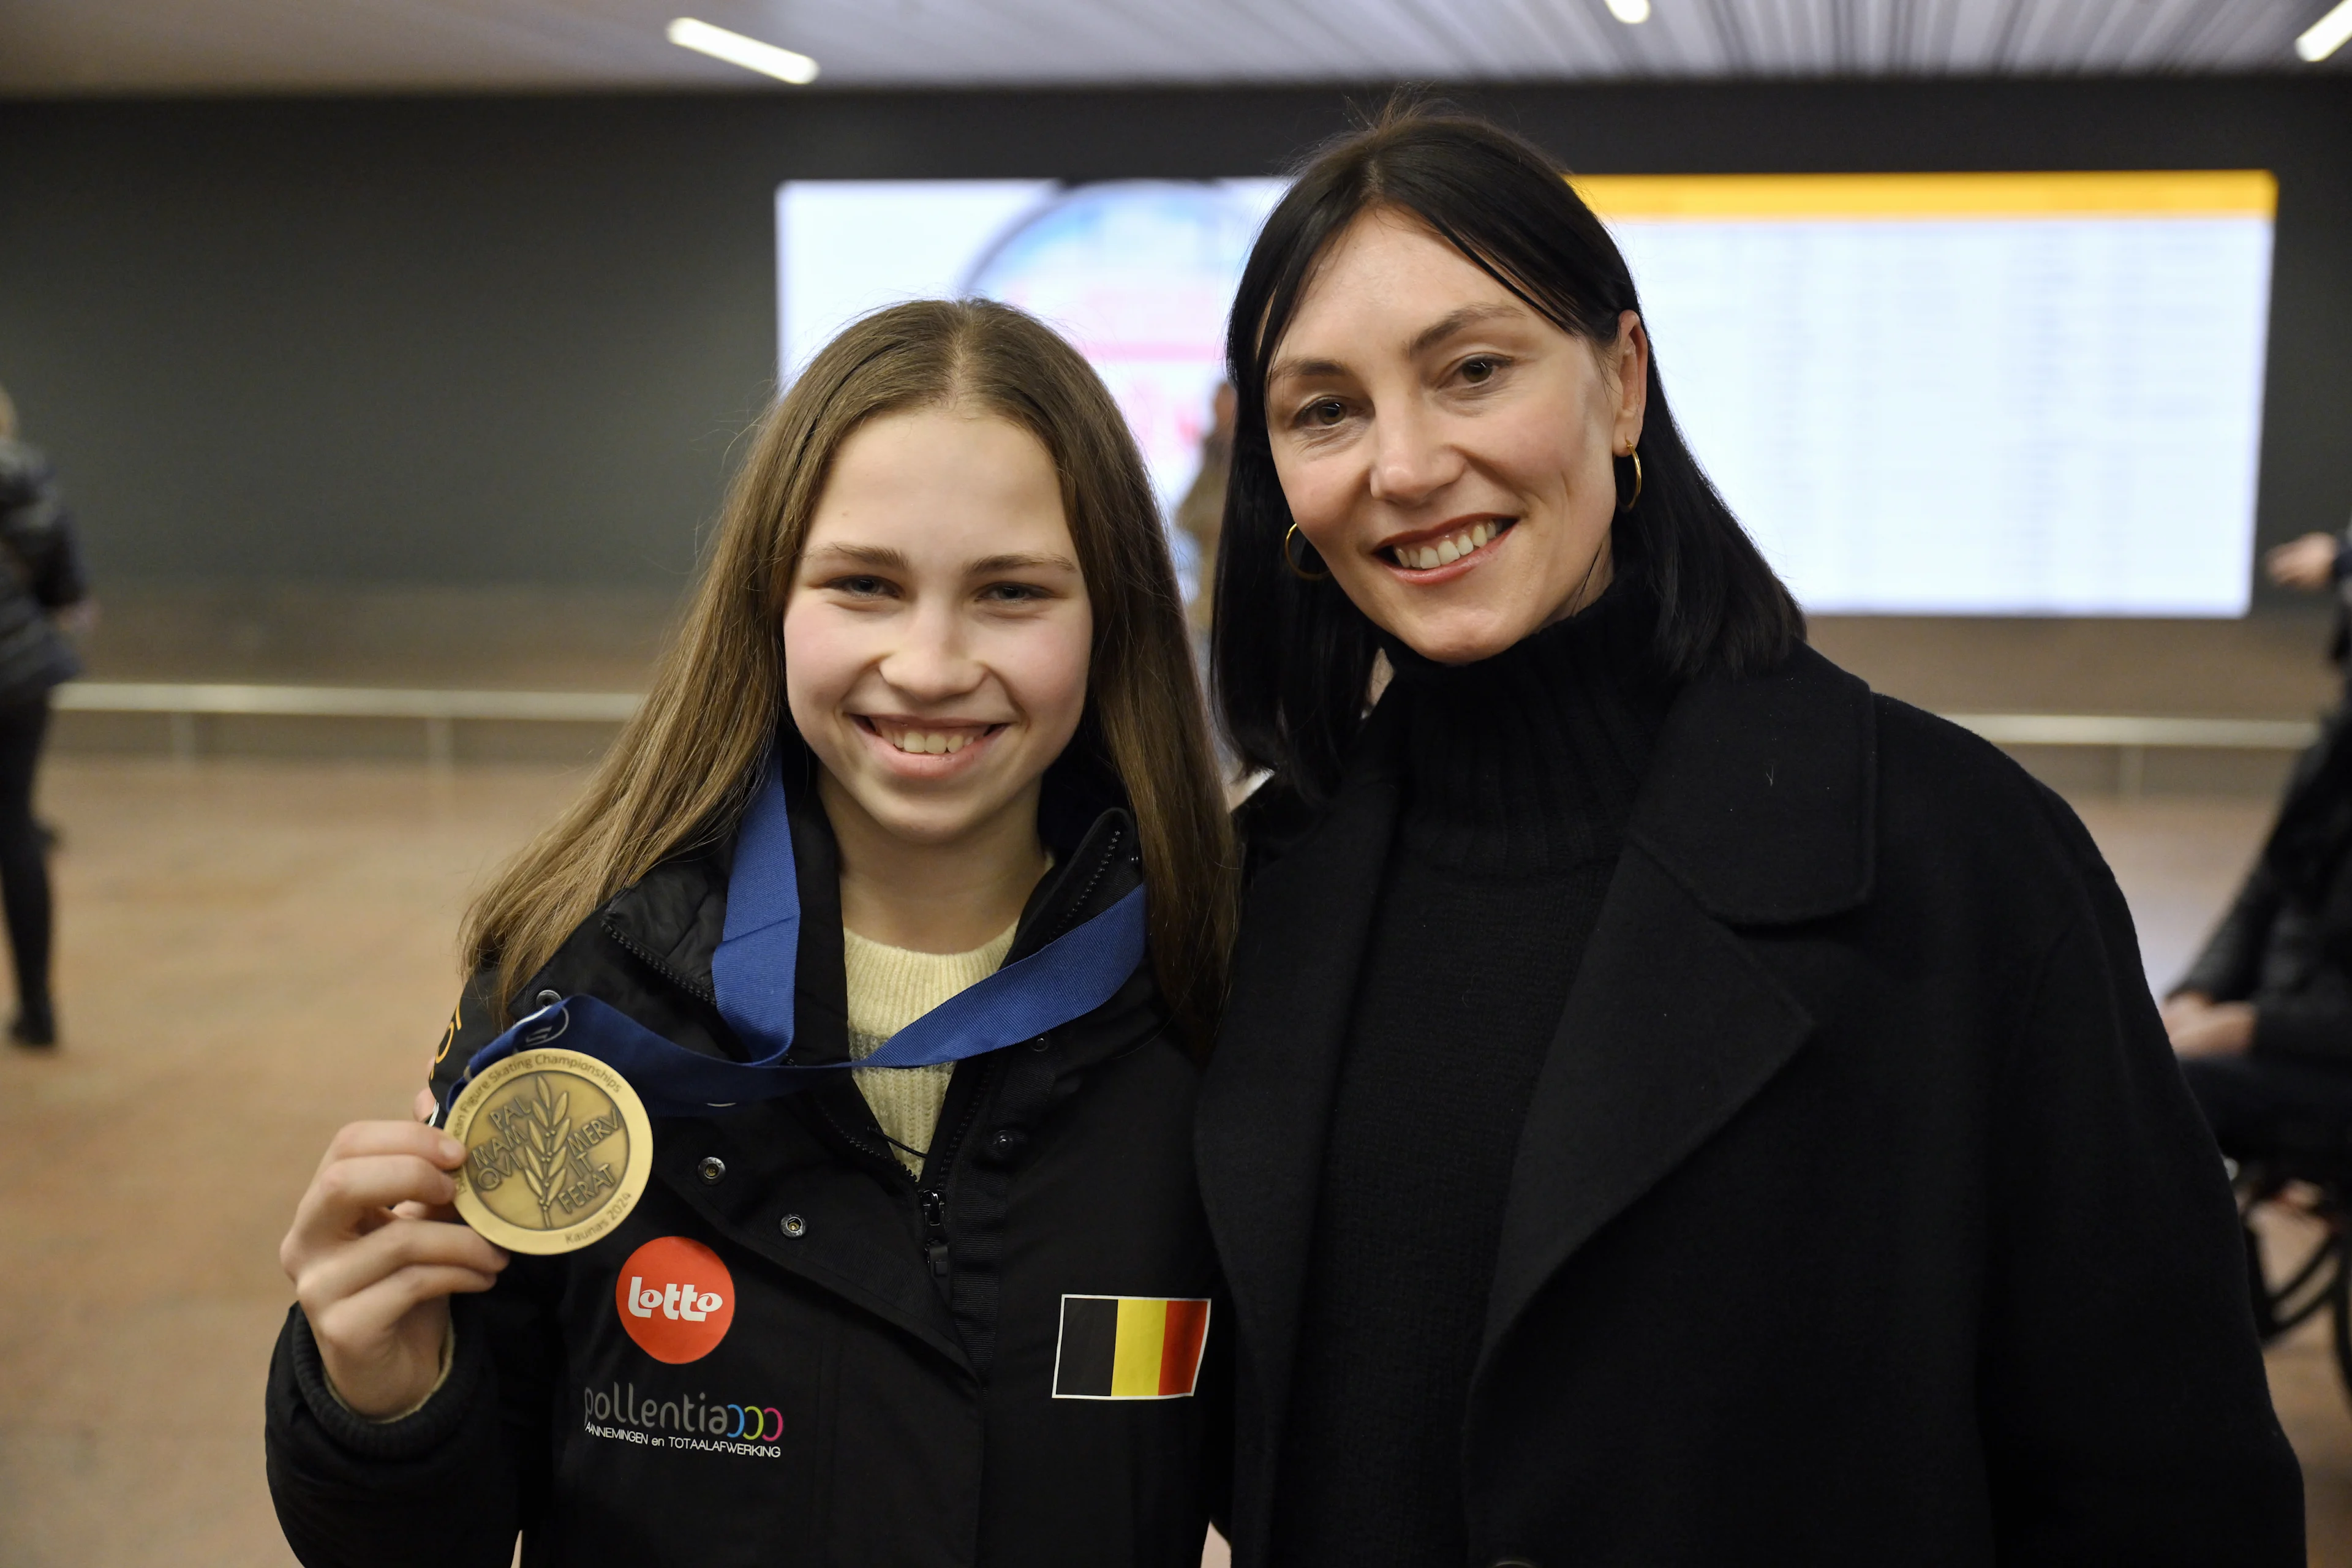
1461 639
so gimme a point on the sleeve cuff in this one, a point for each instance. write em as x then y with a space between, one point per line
2283 1029
448 1356
413 1433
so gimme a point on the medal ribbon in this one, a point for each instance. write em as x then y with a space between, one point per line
753 973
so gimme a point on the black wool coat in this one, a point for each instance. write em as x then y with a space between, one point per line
894 1340
1860 1215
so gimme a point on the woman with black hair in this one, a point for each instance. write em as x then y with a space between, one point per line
1674 1107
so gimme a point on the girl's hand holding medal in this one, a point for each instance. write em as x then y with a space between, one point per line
376 1251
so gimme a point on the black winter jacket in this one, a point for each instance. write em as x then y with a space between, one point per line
1860 1215
2285 945
40 570
902 1335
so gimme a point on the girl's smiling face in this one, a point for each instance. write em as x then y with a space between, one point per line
938 630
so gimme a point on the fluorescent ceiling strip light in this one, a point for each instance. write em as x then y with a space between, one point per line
2327 36
749 53
1632 11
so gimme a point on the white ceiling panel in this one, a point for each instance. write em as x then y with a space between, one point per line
52 46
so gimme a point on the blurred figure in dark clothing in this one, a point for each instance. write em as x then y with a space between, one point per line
41 580
2263 1020
2320 563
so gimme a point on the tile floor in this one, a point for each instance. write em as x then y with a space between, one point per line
252 953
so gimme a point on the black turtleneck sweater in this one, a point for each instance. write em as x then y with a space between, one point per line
1519 776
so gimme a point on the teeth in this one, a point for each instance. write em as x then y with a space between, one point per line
925 742
1446 551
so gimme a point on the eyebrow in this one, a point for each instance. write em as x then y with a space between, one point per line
877 556
1454 322
882 557
1436 333
988 565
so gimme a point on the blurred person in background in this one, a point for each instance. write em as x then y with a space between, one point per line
1201 515
2263 1020
43 594
2319 562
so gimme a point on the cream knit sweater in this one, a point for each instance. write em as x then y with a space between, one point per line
890 988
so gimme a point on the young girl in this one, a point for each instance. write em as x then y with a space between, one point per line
932 710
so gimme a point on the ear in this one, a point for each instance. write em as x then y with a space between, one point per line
1631 361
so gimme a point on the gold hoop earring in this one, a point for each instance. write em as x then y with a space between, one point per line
1627 504
1301 572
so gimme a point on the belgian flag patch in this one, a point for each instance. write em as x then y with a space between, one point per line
1129 1347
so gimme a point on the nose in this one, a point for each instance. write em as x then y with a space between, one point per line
1411 461
932 660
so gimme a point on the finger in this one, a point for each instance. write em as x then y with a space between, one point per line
345 1196
359 1323
424 1105
429 1211
333 1274
358 1138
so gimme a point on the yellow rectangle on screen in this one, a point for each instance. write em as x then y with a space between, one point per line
1135 1368
1796 198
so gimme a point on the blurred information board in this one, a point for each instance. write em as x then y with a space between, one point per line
1936 394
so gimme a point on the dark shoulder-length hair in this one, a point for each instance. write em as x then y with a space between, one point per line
1293 658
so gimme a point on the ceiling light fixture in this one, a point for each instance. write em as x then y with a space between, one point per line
2327 35
749 53
1631 12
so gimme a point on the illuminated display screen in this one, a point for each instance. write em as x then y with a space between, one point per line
1947 393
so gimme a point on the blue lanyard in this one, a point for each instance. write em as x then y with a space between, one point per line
753 973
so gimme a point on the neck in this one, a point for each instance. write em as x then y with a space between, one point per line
947 897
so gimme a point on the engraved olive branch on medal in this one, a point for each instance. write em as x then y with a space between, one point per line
544 1140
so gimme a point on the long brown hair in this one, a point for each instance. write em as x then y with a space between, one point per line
683 769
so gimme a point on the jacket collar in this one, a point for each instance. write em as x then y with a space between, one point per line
673 918
1762 797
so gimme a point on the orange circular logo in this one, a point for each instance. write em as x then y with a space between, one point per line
676 1299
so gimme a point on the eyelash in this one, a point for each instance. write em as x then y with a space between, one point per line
1496 364
862 586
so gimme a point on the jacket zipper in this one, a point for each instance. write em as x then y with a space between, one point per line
933 1199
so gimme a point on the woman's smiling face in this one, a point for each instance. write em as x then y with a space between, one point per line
937 631
1446 449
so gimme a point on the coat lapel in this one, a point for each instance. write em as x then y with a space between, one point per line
1266 1104
1757 812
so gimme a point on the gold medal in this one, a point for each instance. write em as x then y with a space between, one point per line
558 1148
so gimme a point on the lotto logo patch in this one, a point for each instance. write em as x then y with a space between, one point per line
676 1299
1129 1347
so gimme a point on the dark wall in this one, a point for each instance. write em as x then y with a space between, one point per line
510 340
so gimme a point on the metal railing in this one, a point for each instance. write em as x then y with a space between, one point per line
2132 737
439 711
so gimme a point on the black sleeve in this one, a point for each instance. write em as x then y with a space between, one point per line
1214 1388
2304 1026
37 530
2232 959
2125 1414
59 579
447 1487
